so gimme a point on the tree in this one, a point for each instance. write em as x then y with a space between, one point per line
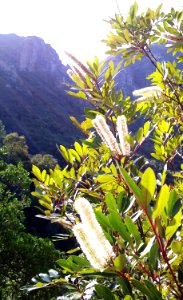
16 149
44 161
125 215
21 254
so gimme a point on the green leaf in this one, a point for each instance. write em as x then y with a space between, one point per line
177 246
146 127
171 202
128 297
162 201
104 292
133 10
102 219
119 262
148 186
78 148
105 178
139 134
153 256
111 202
126 287
133 229
132 185
156 294
122 202
174 225
36 171
119 226
83 262
90 193
142 287
64 153
46 204
65 265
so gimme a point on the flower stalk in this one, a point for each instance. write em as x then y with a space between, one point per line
90 236
122 129
106 135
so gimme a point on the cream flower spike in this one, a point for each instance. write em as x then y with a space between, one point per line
106 135
148 93
85 241
90 235
122 129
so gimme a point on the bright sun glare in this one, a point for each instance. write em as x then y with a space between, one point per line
76 26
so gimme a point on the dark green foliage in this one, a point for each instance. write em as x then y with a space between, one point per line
45 161
21 254
16 149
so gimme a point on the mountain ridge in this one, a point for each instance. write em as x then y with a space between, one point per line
33 100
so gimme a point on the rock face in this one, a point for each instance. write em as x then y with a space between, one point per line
33 101
31 54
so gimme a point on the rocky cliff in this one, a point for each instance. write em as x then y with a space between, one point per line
33 100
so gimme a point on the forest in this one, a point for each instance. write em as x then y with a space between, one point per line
119 208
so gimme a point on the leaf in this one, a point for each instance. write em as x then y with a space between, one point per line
104 292
64 153
45 204
83 262
133 229
156 294
174 225
148 247
119 226
65 265
171 202
177 247
119 262
126 287
102 219
153 256
133 10
148 186
146 127
122 202
111 202
128 297
36 171
90 193
139 134
161 201
141 287
105 178
132 185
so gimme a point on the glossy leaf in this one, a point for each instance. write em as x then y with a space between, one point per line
119 262
161 201
174 225
119 226
111 202
132 185
104 292
133 229
148 186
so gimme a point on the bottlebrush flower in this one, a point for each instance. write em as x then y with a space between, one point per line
87 246
148 93
90 236
106 135
123 132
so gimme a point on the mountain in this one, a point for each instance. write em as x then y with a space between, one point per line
133 77
33 98
33 101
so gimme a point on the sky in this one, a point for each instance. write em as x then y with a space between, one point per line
76 26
